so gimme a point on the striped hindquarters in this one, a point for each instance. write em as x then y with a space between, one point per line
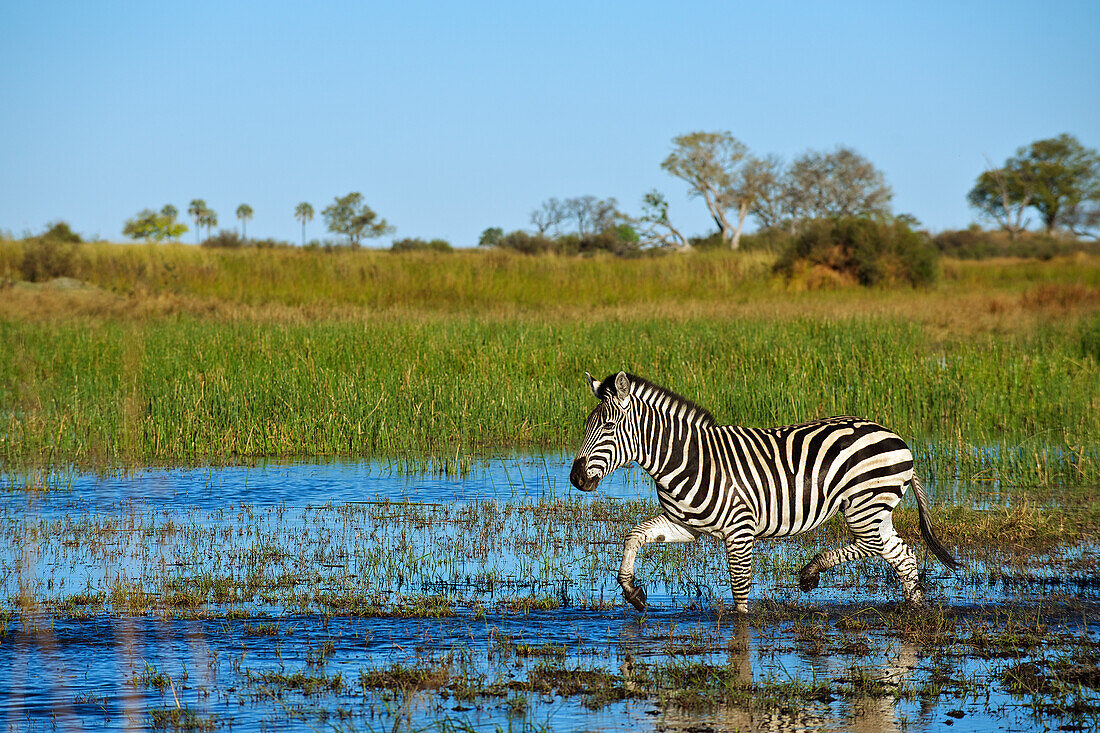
790 479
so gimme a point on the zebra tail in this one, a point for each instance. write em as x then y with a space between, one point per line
926 531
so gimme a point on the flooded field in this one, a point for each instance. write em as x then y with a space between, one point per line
364 596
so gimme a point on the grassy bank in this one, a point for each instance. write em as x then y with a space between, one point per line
180 354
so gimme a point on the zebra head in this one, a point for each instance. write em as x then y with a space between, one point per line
609 433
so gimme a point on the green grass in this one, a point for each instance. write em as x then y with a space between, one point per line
186 355
189 390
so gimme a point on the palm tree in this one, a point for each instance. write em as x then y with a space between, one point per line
197 209
209 219
244 213
303 212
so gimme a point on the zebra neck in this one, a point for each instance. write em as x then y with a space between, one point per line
672 452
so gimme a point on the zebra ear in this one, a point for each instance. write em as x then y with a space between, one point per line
594 384
622 386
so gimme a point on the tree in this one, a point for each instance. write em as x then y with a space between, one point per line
170 228
209 219
1002 195
151 226
170 212
550 214
1084 218
837 184
769 206
303 212
197 208
490 237
709 162
1061 175
244 213
143 226
753 180
351 217
656 226
592 214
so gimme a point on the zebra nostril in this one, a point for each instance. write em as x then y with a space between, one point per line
578 475
582 477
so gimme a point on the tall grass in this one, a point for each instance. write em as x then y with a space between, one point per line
188 389
453 282
179 353
480 281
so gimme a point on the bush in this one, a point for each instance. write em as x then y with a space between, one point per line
975 243
51 254
871 251
269 243
414 244
61 232
621 241
225 238
45 259
712 241
767 240
528 244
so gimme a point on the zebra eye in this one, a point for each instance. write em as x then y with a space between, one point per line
609 425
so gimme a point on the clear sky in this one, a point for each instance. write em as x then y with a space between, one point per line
453 117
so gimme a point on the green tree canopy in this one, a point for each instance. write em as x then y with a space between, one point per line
351 217
1062 177
1001 194
490 237
155 227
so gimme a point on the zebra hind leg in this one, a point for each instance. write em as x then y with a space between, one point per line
874 532
875 535
904 562
810 575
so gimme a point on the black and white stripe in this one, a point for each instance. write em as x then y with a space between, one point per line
740 484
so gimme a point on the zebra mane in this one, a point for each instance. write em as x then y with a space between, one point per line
650 392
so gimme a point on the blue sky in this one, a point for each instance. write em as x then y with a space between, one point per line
453 117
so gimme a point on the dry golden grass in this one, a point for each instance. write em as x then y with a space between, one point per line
139 282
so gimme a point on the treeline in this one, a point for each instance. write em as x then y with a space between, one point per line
1059 178
823 209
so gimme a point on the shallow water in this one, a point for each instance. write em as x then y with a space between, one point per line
305 569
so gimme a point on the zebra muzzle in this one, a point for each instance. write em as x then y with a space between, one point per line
579 476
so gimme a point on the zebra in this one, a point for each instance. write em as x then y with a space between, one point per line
741 484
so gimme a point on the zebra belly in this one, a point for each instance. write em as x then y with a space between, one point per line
789 529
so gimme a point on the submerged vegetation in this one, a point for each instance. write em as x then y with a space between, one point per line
400 614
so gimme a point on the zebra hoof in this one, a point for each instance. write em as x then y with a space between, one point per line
808 581
636 596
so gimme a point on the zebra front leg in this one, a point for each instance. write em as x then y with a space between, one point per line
661 528
739 549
